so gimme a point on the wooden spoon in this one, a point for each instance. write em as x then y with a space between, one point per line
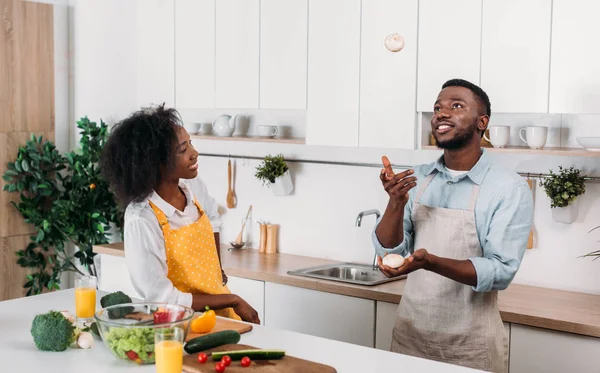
530 240
230 196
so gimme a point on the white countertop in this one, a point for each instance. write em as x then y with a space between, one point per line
18 352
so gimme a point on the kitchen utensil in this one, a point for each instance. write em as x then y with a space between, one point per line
263 238
272 230
287 364
591 144
530 239
114 327
230 195
236 245
238 239
499 136
535 136
223 324
224 125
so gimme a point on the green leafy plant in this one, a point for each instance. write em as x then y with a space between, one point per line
66 199
595 254
271 168
564 187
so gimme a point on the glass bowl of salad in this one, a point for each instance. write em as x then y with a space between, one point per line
128 329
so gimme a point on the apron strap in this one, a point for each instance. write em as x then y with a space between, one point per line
425 184
474 195
162 218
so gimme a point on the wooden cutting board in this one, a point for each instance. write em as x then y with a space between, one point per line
224 324
288 364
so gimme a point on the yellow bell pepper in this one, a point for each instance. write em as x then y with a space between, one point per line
205 322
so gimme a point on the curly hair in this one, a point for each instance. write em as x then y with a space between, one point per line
138 151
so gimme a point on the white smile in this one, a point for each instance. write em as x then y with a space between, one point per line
443 128
193 167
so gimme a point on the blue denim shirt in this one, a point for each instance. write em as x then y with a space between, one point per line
503 216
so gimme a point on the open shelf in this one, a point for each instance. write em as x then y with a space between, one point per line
251 139
565 152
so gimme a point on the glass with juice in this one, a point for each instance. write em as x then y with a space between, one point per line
168 350
85 297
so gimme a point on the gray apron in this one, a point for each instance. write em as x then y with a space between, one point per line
441 319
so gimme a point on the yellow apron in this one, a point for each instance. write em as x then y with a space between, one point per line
192 261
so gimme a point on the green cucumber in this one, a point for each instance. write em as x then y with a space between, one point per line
216 339
252 354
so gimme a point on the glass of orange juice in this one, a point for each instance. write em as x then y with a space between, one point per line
168 350
85 298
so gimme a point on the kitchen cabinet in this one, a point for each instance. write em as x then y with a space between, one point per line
237 54
155 51
449 46
321 314
575 63
384 324
283 53
194 53
333 72
252 291
541 350
515 52
387 79
114 276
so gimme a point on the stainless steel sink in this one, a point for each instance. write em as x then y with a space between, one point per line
352 273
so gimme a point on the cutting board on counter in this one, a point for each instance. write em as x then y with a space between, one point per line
223 324
287 364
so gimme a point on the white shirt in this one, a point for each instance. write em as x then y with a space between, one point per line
145 243
455 173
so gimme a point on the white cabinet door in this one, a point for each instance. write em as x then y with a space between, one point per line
114 276
195 53
386 318
387 79
535 350
321 314
515 54
237 50
252 291
575 60
333 72
155 45
449 46
283 53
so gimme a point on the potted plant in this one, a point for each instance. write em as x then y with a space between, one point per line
273 171
563 189
66 199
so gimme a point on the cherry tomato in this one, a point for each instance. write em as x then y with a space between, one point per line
226 360
245 361
219 367
202 358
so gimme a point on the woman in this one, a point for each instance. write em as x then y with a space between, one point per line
170 244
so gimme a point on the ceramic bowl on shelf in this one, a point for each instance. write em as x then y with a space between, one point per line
590 143
127 330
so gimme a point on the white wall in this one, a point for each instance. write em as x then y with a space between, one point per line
318 218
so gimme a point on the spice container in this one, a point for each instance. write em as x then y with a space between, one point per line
263 238
272 231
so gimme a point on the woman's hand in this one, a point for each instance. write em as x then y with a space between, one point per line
246 312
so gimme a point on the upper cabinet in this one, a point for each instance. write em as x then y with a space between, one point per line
388 79
333 72
237 54
515 54
195 53
449 46
283 52
155 65
575 62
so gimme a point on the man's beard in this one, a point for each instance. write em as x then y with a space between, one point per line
458 142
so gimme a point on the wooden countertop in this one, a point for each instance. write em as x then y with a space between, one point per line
559 310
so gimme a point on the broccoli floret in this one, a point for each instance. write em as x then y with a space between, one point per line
112 299
52 331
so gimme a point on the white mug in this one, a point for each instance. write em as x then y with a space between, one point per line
499 136
204 128
535 136
267 131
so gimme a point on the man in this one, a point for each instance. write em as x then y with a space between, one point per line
465 223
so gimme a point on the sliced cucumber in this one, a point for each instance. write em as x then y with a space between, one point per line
206 342
252 354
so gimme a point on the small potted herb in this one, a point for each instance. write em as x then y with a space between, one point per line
563 189
273 171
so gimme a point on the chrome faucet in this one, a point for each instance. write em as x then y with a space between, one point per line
359 222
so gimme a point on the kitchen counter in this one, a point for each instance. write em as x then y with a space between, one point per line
552 309
18 352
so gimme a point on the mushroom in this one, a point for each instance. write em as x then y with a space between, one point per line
393 260
394 42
